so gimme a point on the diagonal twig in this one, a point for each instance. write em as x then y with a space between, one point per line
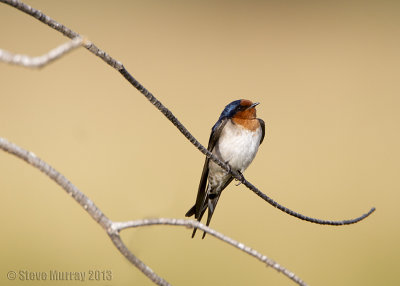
113 228
84 201
167 113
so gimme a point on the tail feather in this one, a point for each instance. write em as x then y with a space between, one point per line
192 212
212 202
207 198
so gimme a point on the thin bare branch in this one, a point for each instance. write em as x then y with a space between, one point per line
194 224
167 113
225 166
84 201
64 30
113 228
38 62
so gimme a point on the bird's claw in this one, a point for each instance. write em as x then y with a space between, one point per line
233 172
241 178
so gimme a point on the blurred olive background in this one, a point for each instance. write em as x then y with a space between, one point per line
327 76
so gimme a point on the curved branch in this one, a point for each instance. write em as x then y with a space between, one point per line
38 62
303 217
62 29
84 201
167 113
225 166
195 224
113 228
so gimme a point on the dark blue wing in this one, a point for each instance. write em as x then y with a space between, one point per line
262 123
201 201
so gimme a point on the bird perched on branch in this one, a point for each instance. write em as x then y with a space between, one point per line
234 139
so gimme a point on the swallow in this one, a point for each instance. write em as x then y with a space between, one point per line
234 139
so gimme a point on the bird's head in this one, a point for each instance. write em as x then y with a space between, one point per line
242 108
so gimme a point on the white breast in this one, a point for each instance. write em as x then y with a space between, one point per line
237 146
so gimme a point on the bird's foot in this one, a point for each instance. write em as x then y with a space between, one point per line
241 178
